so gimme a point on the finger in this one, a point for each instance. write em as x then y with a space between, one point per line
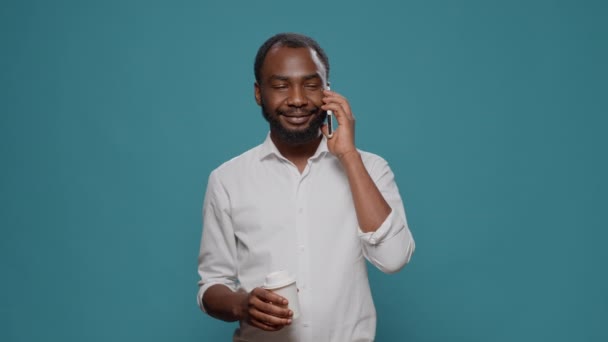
271 308
268 319
338 112
270 303
343 105
326 134
269 296
265 326
333 97
331 93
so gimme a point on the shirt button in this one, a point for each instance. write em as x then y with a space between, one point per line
300 210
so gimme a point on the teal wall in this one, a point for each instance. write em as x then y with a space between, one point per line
493 115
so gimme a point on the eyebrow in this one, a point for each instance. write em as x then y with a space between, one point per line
311 76
279 78
285 78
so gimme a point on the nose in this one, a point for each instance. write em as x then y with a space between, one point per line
297 97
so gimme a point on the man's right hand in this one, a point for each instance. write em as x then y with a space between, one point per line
266 310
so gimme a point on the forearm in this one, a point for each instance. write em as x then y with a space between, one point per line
222 303
371 207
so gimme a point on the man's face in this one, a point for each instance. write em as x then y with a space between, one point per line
290 93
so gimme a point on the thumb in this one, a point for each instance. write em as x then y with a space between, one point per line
324 130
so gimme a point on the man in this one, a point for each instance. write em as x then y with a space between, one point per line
314 206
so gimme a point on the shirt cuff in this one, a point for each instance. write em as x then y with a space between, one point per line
384 232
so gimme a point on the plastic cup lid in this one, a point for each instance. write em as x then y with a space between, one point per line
278 279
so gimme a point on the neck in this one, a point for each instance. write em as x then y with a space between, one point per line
296 153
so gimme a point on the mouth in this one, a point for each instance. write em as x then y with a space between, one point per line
298 117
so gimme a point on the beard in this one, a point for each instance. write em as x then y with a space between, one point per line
295 136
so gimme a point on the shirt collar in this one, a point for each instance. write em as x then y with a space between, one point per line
268 148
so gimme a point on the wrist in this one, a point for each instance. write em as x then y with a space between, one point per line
239 309
348 156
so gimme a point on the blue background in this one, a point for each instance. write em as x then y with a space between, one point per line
492 115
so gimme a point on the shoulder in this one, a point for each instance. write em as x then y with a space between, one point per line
235 166
372 160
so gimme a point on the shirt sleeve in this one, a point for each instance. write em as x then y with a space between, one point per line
217 257
391 246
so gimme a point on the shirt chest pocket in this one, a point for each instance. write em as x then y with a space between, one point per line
260 220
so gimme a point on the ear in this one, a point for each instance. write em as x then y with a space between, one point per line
258 95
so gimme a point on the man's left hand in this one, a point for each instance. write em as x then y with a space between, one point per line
343 139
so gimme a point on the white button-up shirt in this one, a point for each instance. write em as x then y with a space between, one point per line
261 215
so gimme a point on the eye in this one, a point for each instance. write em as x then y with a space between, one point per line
279 86
312 86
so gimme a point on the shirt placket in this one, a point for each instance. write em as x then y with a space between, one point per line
303 246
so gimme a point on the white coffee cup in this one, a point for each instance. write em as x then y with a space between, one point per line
284 284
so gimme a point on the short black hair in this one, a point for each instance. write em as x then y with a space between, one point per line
292 40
